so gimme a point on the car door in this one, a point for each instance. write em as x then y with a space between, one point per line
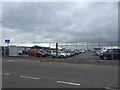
109 54
35 53
116 54
32 53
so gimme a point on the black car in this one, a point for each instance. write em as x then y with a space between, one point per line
111 54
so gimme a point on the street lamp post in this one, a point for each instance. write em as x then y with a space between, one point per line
87 45
66 45
76 45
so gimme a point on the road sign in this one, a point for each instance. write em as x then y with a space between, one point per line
7 41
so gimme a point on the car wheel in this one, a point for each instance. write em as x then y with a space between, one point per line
51 56
62 56
104 57
40 55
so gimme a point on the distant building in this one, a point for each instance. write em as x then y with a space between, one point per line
40 47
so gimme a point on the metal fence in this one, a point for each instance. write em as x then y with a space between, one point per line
88 46
74 45
78 45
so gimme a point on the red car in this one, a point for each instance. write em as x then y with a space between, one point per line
37 53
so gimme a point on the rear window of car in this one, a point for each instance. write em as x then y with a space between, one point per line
114 50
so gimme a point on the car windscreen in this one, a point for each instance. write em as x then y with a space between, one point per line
40 51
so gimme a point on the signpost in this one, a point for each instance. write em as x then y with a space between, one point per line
7 41
7 49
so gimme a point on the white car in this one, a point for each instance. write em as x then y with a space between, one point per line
100 52
60 54
63 54
104 50
68 53
20 52
82 51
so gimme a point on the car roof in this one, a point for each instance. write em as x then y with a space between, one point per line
114 49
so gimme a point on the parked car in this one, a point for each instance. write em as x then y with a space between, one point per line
71 53
20 52
37 53
31 53
96 49
68 53
41 54
76 52
110 54
53 54
25 51
47 52
82 51
60 54
103 51
98 53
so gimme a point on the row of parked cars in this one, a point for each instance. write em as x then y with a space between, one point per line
108 54
52 53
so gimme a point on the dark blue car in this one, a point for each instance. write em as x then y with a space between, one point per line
111 54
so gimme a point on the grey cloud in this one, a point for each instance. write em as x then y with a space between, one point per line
61 22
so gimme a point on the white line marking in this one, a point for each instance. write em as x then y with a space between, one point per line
108 88
29 77
10 60
7 74
77 84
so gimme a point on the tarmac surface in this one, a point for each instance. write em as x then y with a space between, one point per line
82 71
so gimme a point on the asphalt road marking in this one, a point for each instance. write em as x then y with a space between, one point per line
7 74
10 60
29 77
76 84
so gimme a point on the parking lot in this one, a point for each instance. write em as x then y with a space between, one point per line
59 44
83 58
85 70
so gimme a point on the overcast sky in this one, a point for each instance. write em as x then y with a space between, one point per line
60 22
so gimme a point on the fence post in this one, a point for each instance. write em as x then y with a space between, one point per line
87 46
49 44
56 50
111 45
112 51
99 44
76 45
66 45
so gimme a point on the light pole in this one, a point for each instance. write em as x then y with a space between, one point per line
76 45
111 45
66 45
87 45
34 40
99 44
49 44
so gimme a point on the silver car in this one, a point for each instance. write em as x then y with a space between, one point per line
60 54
